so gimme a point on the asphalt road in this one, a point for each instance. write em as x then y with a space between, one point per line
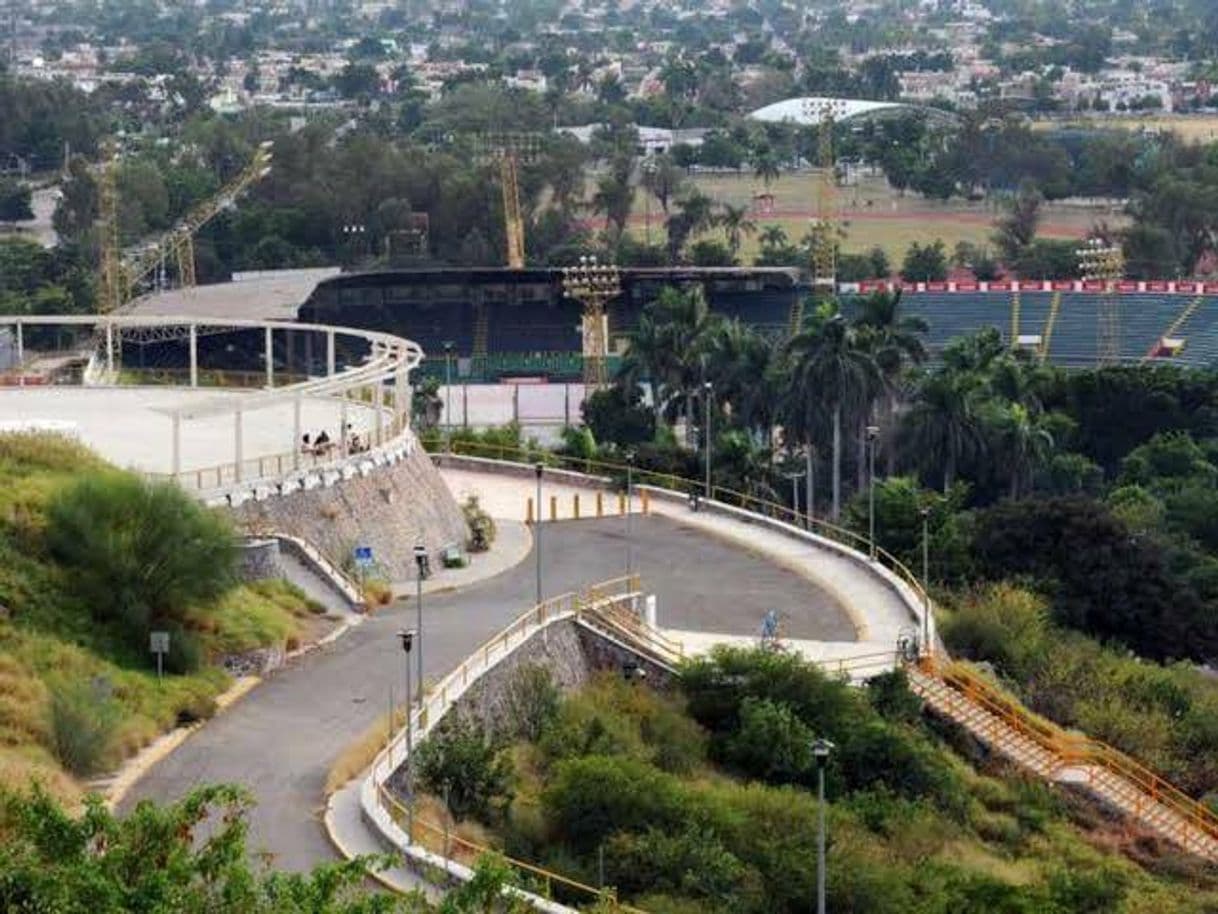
282 738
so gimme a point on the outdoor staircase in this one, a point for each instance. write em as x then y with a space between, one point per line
1065 757
796 319
482 323
1177 325
1046 338
1013 342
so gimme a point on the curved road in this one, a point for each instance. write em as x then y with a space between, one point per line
282 738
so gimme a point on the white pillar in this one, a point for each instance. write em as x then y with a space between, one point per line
342 427
238 444
270 358
20 354
194 355
297 441
177 444
109 347
330 353
378 395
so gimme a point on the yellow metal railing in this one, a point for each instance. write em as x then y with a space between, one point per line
685 486
1093 759
436 837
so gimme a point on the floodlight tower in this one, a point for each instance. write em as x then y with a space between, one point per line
593 284
825 112
1104 262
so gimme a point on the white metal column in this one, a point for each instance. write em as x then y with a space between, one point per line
297 440
20 354
238 443
342 427
177 444
194 355
109 347
270 358
330 353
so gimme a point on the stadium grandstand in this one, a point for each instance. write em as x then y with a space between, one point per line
507 324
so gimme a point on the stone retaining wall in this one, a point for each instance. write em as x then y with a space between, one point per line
391 509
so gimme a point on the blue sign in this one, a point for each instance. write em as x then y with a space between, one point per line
363 556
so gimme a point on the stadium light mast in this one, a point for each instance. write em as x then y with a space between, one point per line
1099 261
824 113
593 284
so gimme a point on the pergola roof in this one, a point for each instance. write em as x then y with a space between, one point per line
807 110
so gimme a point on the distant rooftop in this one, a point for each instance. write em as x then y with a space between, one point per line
265 295
808 110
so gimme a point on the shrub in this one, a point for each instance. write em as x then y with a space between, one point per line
475 771
771 742
1002 624
890 695
139 553
532 701
481 525
84 720
692 863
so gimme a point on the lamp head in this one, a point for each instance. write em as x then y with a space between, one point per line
420 554
821 748
539 468
406 636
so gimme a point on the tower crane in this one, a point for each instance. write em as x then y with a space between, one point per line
122 275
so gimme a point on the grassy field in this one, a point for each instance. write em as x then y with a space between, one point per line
1193 128
61 668
872 214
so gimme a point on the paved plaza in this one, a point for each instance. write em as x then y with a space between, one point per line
131 427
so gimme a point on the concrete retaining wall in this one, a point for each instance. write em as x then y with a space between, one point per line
391 509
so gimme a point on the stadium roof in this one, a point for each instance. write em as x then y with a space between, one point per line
807 110
268 295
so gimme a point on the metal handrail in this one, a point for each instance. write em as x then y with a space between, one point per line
1075 749
685 486
437 700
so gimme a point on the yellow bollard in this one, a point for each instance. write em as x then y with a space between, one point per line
553 507
575 506
600 504
528 516
646 502
621 504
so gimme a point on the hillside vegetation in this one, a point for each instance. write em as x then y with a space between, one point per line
81 585
704 801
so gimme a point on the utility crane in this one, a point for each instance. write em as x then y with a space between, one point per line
509 150
122 275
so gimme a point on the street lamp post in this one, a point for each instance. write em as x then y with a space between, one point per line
820 750
873 433
420 561
448 396
629 511
407 638
539 469
708 390
926 579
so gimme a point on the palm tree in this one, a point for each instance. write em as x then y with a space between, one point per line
1024 441
773 236
942 427
765 167
648 359
615 195
735 222
895 341
696 212
741 361
826 366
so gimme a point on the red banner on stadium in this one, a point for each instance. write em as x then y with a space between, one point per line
1028 285
1158 285
1211 288
1092 285
967 286
909 287
1063 285
1192 288
1127 285
870 285
936 287
996 285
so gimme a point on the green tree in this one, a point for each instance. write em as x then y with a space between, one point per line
942 427
925 262
735 222
15 201
140 554
827 368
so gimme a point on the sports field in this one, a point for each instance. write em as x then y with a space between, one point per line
872 214
1193 128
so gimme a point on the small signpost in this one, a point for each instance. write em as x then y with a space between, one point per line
363 560
158 643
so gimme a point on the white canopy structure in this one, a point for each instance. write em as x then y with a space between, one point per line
808 110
